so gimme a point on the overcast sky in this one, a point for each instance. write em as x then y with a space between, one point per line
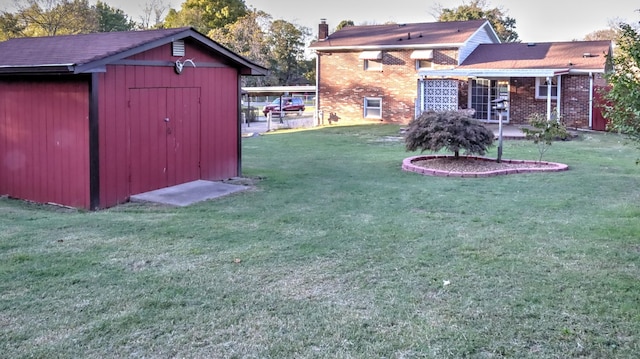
536 21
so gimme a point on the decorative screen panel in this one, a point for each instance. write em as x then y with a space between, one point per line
440 95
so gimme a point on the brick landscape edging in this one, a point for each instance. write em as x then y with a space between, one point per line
407 165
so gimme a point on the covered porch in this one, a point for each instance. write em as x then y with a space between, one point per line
526 90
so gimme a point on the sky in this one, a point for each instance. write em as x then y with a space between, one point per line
536 21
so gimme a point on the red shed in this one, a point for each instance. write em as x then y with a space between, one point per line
88 120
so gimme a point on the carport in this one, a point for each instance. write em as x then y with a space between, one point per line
253 92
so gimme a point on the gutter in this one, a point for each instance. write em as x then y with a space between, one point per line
317 100
591 100
38 69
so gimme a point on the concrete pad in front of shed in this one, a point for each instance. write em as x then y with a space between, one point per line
188 193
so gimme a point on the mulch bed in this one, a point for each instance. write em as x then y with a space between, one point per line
472 166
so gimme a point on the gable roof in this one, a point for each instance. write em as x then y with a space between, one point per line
89 52
417 35
533 59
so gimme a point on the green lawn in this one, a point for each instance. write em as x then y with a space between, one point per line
337 253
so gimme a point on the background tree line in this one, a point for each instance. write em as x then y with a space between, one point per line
61 17
276 44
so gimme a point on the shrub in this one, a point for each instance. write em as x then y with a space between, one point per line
451 130
545 131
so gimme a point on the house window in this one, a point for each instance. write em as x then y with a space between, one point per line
372 60
424 64
372 107
424 58
542 87
372 65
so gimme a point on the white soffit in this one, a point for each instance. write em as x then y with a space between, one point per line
494 72
422 55
370 55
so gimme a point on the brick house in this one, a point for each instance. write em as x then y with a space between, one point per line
393 72
372 72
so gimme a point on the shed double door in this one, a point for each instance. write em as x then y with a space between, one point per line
164 137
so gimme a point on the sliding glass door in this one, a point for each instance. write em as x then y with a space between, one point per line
482 92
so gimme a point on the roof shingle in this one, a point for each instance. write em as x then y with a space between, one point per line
75 49
432 33
547 55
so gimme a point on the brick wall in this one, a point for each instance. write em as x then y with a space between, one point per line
344 83
574 98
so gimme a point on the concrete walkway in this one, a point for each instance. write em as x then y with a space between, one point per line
188 193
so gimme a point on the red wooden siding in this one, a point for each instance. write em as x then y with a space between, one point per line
200 140
44 140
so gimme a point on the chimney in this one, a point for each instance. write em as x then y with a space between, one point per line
323 29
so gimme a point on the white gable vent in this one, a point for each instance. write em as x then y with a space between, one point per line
177 48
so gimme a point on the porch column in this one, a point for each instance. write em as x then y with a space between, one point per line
548 98
559 98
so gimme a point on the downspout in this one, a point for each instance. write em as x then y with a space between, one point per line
239 126
316 113
94 144
590 100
